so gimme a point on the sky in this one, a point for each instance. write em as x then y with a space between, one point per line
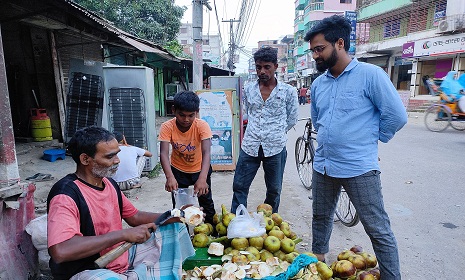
274 19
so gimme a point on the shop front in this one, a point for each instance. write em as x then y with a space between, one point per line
434 57
401 73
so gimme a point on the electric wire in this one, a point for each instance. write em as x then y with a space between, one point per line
219 27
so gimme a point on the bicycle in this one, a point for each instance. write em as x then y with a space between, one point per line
345 210
304 153
448 111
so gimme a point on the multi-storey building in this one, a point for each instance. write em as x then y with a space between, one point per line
288 75
252 73
307 14
211 47
412 38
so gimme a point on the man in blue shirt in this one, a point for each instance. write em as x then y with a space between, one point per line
271 107
354 105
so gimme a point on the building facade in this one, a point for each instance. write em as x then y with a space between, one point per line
411 39
307 14
211 47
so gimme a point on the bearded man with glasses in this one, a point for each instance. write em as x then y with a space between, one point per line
354 105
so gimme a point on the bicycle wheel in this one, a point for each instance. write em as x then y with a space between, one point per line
304 160
345 211
458 123
437 118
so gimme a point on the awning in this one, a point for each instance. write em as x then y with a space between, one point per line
146 48
369 55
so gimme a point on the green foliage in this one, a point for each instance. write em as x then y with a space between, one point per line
154 20
174 48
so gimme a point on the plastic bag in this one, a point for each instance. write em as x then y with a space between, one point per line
37 229
243 225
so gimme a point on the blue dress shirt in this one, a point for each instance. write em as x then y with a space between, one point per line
351 113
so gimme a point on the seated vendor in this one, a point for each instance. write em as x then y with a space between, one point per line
85 212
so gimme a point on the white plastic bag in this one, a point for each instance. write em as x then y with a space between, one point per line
243 225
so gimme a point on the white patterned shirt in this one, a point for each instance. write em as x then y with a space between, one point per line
268 121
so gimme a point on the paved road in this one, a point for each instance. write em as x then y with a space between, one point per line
423 184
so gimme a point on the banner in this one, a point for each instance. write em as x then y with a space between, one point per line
216 110
352 17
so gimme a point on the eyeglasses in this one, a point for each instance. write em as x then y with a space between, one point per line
318 49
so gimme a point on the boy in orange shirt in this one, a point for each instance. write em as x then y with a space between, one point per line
190 138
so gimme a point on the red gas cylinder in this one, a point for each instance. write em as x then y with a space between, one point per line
40 125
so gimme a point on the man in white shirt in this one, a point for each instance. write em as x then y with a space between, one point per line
271 108
132 161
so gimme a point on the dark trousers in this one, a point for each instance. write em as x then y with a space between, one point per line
365 193
206 201
246 169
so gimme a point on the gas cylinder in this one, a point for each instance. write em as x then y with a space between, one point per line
41 128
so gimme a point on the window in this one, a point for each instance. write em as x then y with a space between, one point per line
392 28
183 30
206 42
345 1
183 42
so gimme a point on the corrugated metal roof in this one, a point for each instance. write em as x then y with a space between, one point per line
136 42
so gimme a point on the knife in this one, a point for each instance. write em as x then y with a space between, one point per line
166 218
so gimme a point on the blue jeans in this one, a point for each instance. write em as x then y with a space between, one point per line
246 169
365 193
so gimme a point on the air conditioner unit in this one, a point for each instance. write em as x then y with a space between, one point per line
451 24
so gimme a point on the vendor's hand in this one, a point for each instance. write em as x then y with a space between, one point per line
200 187
140 234
171 184
186 206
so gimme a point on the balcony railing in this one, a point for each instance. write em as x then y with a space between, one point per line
317 6
298 19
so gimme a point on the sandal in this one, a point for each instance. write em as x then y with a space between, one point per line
39 177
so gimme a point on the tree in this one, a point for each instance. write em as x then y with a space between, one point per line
175 48
155 20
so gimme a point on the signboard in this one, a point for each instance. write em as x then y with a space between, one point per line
400 61
439 13
352 17
439 45
301 62
408 49
216 110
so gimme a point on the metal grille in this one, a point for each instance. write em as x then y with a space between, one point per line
127 114
84 102
418 16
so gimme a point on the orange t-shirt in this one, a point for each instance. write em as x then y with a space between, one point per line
186 154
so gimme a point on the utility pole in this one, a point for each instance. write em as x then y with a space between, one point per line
232 45
197 61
